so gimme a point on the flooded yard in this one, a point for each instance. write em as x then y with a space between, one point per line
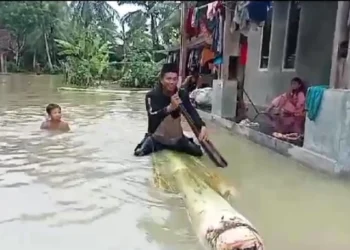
85 189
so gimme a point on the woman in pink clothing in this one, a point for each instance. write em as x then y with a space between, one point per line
291 103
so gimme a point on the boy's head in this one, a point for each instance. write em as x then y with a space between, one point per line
54 111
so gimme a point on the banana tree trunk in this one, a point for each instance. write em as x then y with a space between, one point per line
48 52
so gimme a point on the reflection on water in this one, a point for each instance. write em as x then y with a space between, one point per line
85 190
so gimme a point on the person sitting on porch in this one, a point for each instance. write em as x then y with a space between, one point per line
291 103
192 80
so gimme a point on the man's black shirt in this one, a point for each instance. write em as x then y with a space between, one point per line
156 106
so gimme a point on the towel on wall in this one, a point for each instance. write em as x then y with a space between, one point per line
313 100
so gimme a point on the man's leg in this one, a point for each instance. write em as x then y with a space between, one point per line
148 146
188 146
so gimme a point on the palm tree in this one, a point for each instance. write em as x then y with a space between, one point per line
97 12
164 19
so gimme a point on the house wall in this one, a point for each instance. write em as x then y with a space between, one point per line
313 55
329 133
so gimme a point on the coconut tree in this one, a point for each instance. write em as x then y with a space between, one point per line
93 12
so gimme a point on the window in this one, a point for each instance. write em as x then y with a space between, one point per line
292 35
265 41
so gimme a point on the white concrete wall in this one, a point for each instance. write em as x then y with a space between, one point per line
329 134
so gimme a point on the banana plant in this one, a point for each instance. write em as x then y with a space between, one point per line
87 57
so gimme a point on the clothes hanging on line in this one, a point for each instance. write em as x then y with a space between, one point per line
243 53
258 10
241 18
193 59
249 15
217 45
193 18
190 30
212 9
207 54
218 60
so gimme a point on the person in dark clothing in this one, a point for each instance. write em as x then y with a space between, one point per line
191 81
164 117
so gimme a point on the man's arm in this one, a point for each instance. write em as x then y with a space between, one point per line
198 122
153 110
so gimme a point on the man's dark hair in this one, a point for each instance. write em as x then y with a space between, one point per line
51 107
168 68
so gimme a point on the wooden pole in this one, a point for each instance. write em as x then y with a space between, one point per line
226 46
183 44
341 34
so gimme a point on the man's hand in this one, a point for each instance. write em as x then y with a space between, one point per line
203 135
175 102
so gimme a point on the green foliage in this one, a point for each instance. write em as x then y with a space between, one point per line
139 71
86 57
88 41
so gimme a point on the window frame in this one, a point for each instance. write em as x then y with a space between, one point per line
286 39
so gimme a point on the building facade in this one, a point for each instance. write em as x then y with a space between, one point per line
299 42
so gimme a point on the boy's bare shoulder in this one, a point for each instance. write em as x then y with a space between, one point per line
64 126
44 125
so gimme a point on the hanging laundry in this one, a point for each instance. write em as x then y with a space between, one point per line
249 15
200 17
313 100
190 59
207 54
241 17
244 53
218 60
197 57
220 34
190 31
193 19
215 33
203 28
211 12
211 25
258 10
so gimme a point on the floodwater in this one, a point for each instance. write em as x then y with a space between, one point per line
85 190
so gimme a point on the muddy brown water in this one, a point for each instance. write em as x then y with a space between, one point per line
85 190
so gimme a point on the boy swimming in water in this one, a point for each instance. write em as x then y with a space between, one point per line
54 121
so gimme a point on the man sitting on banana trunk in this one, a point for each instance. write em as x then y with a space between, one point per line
164 117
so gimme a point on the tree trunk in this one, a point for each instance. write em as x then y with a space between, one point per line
2 63
48 53
34 61
154 31
17 58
